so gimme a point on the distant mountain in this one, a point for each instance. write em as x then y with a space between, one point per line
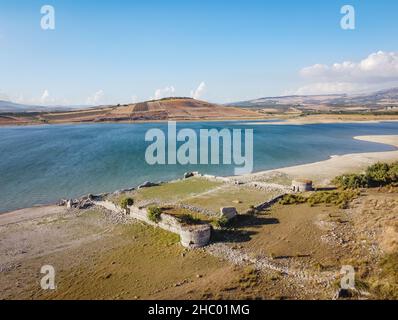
382 98
12 107
7 106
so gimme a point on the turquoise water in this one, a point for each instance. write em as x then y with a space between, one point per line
41 164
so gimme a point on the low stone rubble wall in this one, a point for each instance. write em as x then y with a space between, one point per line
270 202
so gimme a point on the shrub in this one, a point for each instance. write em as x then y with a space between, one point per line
338 198
393 173
188 219
378 174
351 181
154 213
222 222
125 202
292 199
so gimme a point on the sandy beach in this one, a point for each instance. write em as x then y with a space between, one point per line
323 171
325 119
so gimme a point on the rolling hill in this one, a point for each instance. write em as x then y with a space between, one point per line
178 109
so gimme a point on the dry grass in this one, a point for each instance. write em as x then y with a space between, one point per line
230 196
176 190
187 216
169 192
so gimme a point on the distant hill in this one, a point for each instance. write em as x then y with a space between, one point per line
177 109
12 107
379 99
164 109
7 106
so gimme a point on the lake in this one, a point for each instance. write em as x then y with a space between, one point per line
42 164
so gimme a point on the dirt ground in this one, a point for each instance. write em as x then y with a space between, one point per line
287 252
97 259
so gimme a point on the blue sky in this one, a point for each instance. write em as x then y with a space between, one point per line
119 51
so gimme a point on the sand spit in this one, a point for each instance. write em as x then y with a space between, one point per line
323 171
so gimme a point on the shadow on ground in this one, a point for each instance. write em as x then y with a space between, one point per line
236 232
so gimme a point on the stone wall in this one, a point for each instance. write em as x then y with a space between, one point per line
301 186
270 202
193 236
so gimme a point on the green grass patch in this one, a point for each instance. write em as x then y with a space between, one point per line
186 216
385 285
222 222
189 219
339 198
278 178
155 237
242 198
176 190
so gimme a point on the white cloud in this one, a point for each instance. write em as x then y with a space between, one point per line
97 98
375 71
328 88
200 90
164 92
45 97
377 67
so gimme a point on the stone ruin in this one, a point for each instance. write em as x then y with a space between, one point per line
191 236
228 213
302 185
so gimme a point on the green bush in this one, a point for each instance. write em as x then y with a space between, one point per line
154 214
222 222
351 181
393 173
292 199
188 219
377 175
125 202
340 198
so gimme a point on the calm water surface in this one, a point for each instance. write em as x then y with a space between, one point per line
41 164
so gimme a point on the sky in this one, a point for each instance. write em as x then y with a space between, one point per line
105 52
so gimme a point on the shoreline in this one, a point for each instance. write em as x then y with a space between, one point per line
295 122
325 170
278 119
320 171
33 124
